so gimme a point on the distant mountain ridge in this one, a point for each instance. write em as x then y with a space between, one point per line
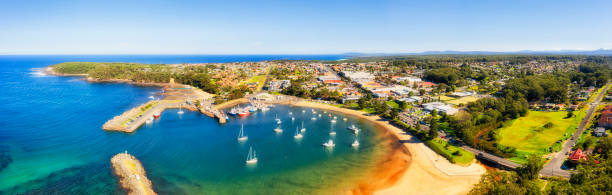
606 52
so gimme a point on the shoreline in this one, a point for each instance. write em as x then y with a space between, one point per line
132 175
411 167
422 172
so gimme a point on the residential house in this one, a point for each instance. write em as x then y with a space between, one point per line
605 120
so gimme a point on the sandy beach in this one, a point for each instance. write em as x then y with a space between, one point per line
413 168
132 175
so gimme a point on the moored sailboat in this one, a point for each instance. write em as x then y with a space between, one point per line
241 136
355 143
297 135
180 110
278 129
252 156
329 144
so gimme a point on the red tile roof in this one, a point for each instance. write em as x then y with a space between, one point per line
606 117
577 155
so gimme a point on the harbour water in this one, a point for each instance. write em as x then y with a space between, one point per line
51 139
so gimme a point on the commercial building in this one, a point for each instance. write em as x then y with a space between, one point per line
440 107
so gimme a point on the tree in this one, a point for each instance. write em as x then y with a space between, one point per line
403 105
433 128
531 169
421 92
394 114
570 114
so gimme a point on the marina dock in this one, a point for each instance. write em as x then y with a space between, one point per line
174 96
130 120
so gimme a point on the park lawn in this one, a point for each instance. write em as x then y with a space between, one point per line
352 106
442 147
369 110
528 135
259 79
463 100
446 98
393 104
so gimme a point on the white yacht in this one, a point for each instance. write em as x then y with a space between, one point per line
252 157
278 120
149 120
241 136
355 143
314 118
180 110
329 144
297 135
333 121
278 130
332 133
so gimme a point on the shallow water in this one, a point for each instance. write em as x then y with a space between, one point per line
51 140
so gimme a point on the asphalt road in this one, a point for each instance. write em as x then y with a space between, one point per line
553 167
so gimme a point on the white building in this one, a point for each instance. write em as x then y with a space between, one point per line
358 76
440 107
403 90
408 79
462 94
412 99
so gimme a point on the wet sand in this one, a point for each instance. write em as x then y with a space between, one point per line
412 168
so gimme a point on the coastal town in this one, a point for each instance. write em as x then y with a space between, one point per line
452 106
273 97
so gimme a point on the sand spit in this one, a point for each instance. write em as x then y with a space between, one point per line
132 175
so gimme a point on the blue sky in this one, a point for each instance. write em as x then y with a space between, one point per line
300 27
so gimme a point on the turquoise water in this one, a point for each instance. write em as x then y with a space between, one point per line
51 141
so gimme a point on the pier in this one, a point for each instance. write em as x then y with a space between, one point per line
130 120
175 96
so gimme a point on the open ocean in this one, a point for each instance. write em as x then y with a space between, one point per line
51 141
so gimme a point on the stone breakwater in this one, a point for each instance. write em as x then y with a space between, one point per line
130 120
132 175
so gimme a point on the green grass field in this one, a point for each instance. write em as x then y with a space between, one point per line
528 134
461 157
463 100
259 79
393 104
446 98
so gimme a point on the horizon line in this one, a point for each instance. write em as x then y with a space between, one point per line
339 53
